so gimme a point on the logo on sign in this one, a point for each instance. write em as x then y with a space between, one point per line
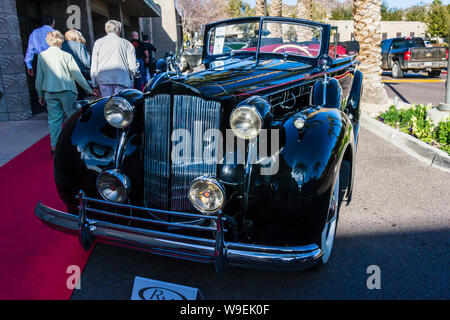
158 293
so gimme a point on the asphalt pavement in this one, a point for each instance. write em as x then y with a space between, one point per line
399 220
415 88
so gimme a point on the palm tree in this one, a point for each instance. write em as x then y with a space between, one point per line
277 7
260 7
277 11
366 23
304 9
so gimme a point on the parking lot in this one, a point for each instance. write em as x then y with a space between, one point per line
415 88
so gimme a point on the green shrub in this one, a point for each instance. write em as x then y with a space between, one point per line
414 121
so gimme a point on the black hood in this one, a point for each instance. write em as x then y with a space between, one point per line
243 78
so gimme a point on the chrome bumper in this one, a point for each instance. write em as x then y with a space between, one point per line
218 252
425 65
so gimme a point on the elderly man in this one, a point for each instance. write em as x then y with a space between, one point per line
113 61
37 43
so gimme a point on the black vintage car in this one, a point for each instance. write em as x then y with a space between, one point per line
244 163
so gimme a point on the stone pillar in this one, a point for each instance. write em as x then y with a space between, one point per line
15 104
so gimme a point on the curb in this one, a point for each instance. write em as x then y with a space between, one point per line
418 149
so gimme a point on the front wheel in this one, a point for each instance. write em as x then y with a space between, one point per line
434 73
329 230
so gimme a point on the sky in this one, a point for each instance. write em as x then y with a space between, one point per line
391 3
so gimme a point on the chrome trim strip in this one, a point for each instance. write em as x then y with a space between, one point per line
187 247
152 211
159 222
120 149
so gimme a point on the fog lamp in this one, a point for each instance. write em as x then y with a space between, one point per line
207 195
119 112
113 186
299 123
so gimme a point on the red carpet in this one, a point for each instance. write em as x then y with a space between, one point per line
34 258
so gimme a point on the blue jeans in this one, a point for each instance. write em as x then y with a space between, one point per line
141 81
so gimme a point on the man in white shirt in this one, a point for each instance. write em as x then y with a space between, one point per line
114 62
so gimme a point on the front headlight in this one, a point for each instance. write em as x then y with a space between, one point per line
207 195
119 112
246 122
113 186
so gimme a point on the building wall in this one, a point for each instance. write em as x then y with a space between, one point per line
389 29
165 29
15 104
18 18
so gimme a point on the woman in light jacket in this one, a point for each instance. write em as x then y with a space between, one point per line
56 75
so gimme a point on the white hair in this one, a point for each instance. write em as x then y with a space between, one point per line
113 26
54 38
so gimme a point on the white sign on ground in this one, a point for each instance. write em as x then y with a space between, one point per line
149 289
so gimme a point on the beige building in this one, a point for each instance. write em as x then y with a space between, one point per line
165 31
389 29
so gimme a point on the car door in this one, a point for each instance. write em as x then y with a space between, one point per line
385 45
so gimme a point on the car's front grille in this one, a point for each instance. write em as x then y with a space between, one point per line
167 179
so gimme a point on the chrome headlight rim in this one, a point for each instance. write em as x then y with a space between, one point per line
259 118
126 108
217 184
120 177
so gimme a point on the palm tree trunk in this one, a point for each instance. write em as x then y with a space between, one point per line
260 7
367 17
277 7
304 9
277 11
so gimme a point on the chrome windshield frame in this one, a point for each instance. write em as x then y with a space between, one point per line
324 42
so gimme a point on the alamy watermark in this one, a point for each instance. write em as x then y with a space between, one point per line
210 147
74 280
374 280
74 19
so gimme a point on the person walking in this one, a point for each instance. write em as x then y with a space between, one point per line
142 57
37 44
150 66
114 62
75 45
56 75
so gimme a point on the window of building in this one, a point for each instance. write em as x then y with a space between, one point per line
411 34
384 35
399 34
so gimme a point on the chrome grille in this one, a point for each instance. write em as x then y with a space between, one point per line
167 180
156 154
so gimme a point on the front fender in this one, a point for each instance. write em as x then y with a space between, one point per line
294 204
88 145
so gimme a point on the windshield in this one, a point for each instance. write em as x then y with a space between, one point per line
277 37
